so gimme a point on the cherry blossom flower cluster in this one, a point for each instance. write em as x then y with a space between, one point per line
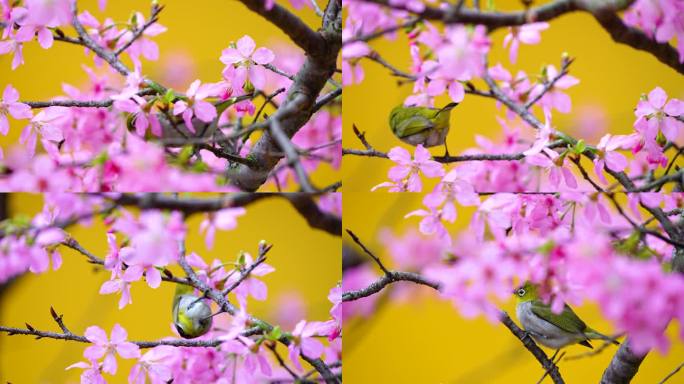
661 20
143 246
573 245
138 135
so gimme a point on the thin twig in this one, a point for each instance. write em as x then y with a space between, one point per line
368 252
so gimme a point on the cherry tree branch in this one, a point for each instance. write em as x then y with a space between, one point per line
304 204
300 102
300 33
226 306
391 277
138 32
605 13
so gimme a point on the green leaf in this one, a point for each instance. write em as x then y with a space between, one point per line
169 96
580 147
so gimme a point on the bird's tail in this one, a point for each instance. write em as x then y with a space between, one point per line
594 335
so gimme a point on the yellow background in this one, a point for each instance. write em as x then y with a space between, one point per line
307 261
611 76
427 341
197 32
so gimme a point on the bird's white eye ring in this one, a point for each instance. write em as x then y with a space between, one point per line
521 292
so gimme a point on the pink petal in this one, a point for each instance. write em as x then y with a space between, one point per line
257 75
312 347
94 352
110 286
141 124
205 111
657 97
45 38
258 289
670 128
119 334
231 56
246 46
674 107
616 161
192 89
398 173
128 350
570 180
10 95
263 56
187 118
96 335
109 364
20 111
153 277
456 91
399 155
133 273
179 107
421 154
4 125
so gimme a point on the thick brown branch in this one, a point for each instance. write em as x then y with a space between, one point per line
300 33
299 105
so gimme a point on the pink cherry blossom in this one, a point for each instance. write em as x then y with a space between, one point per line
251 286
116 284
551 161
41 174
657 114
51 13
460 57
527 34
543 137
195 104
432 222
249 60
143 46
304 342
608 156
154 239
16 48
155 365
660 20
108 348
224 219
143 114
92 373
252 354
352 71
554 98
47 123
452 188
10 105
405 176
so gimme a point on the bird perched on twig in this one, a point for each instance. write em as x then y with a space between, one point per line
421 125
551 329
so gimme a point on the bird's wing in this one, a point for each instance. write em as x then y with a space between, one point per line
566 320
413 125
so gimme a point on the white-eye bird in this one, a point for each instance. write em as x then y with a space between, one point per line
421 125
191 315
548 328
